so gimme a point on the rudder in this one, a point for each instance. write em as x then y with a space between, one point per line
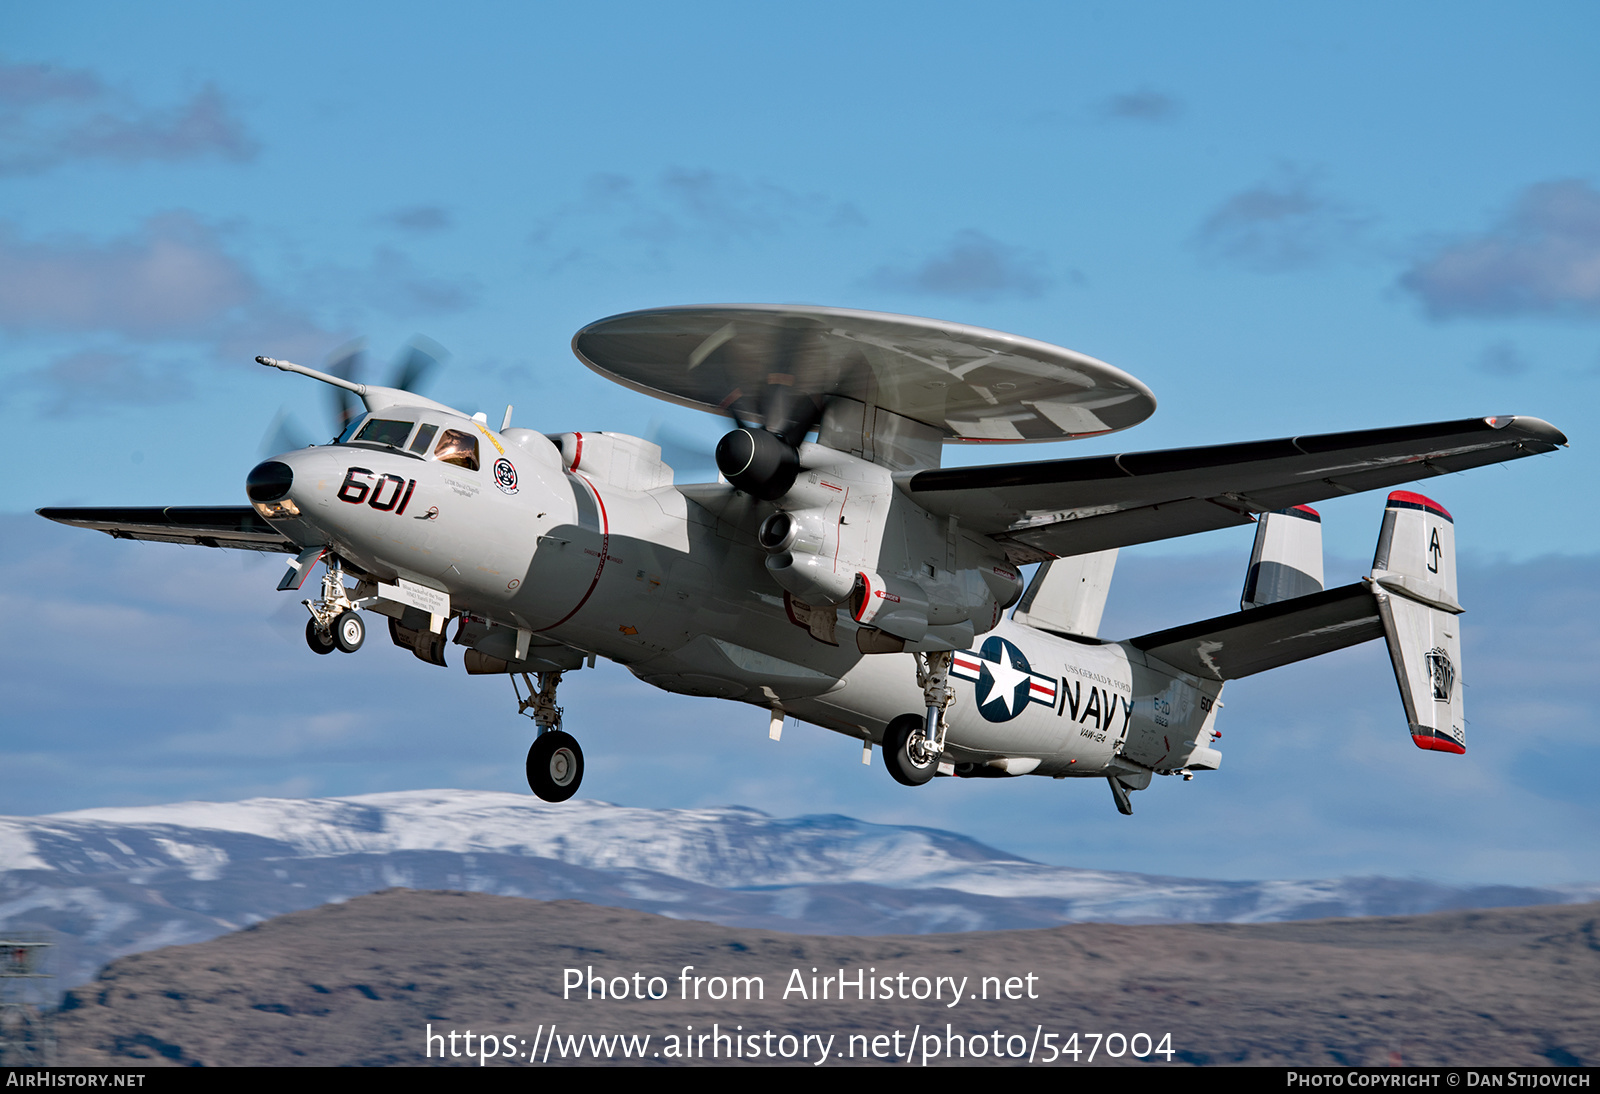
1414 580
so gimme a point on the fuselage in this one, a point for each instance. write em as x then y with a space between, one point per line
582 542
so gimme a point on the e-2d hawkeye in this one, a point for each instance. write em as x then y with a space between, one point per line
849 581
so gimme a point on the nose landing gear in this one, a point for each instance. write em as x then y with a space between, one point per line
555 762
335 623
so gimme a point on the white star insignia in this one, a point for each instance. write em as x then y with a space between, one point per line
1006 678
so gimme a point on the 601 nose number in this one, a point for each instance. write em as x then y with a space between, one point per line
386 493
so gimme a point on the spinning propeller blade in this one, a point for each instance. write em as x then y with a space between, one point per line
763 458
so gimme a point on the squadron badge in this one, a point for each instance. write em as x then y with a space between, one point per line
505 476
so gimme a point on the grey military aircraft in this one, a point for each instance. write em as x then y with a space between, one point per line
848 580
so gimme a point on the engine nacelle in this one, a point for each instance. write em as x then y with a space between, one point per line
943 610
843 535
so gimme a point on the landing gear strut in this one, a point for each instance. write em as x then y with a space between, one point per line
912 744
555 762
334 622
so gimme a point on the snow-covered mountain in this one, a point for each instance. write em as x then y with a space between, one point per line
113 881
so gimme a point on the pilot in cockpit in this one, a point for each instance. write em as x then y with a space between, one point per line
458 448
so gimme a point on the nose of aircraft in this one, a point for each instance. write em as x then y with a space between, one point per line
269 481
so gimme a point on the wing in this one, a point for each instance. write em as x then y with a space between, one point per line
1046 510
235 526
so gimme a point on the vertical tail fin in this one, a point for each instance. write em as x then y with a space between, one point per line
1287 559
1068 595
1414 579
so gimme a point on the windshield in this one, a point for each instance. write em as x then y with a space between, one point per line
423 439
385 431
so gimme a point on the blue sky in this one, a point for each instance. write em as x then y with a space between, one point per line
1283 219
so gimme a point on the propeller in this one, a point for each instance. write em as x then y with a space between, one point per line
762 457
284 435
347 362
411 368
686 453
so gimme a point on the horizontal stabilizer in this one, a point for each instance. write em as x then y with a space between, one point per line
236 526
1231 646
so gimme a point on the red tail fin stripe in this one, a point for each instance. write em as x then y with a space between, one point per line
1405 499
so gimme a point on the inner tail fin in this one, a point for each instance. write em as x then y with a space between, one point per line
1287 559
1414 579
1068 595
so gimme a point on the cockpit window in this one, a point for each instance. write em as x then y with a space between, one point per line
424 438
458 448
349 431
385 431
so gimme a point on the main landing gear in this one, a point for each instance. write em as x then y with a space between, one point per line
335 623
912 743
555 762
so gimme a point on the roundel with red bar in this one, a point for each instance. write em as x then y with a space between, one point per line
1004 682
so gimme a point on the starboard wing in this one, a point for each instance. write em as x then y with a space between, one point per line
1058 508
235 526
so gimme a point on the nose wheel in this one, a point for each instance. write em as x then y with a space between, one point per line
349 632
320 640
555 766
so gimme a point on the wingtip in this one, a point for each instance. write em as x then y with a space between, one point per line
1536 428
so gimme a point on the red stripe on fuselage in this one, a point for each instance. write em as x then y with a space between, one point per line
605 553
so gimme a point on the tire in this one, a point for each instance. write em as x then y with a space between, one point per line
555 766
319 641
349 632
907 769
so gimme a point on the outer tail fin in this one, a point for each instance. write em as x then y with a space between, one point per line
1287 559
1414 579
1068 595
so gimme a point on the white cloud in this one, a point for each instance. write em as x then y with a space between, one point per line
1283 224
972 266
421 219
1541 257
49 117
169 282
169 278
1144 105
686 206
1502 359
88 379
